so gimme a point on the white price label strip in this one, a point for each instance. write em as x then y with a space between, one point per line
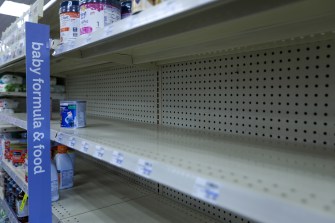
117 158
144 168
72 142
99 152
206 190
60 137
84 147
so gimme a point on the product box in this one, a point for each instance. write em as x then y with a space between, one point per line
73 114
15 150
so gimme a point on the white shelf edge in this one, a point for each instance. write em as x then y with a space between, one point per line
9 212
11 119
12 61
59 96
16 174
21 122
108 199
186 181
9 128
13 94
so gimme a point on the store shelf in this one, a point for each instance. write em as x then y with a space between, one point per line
51 18
17 174
20 120
59 96
13 94
17 119
9 212
264 181
100 196
173 29
4 127
15 65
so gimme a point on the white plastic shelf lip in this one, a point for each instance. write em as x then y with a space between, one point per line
17 174
11 62
158 13
9 128
9 212
17 119
13 94
59 96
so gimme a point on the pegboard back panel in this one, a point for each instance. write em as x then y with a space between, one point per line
283 93
215 212
143 182
126 93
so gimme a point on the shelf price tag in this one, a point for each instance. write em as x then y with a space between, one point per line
60 137
117 158
99 152
206 190
72 142
144 168
84 147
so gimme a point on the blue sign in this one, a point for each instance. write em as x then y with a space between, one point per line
38 122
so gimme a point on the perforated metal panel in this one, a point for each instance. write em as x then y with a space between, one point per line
278 94
201 206
131 177
283 94
217 213
125 93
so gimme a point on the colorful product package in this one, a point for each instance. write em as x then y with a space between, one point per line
73 114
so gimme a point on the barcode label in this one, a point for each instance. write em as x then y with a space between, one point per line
99 152
144 168
72 142
117 158
84 147
206 190
60 137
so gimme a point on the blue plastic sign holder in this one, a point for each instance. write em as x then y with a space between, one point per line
38 122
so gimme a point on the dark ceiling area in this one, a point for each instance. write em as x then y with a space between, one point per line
6 20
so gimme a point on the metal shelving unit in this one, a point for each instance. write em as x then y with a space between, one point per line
257 153
20 120
228 168
4 127
109 197
100 196
172 29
